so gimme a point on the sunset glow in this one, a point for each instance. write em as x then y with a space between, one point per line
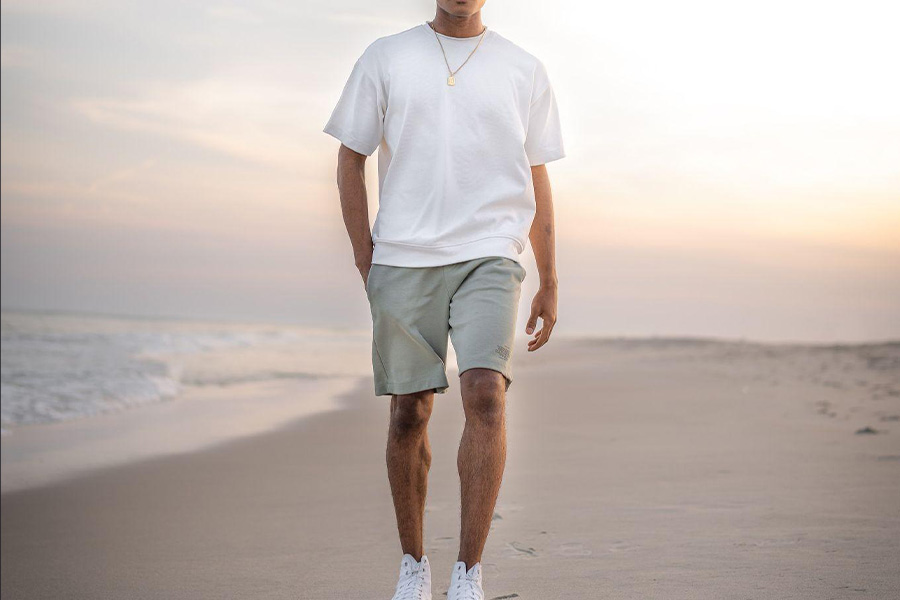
732 169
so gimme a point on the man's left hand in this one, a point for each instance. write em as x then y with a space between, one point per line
543 306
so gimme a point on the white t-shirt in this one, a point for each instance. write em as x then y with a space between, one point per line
454 177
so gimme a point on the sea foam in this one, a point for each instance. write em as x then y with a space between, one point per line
58 367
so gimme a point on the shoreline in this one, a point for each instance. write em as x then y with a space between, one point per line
199 418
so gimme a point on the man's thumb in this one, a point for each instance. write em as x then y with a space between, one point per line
532 322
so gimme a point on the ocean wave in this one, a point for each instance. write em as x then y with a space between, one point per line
62 367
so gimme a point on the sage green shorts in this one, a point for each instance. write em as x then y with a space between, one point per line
414 309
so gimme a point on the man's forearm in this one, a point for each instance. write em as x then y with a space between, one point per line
543 230
351 180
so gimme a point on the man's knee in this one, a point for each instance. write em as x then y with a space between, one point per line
410 412
483 395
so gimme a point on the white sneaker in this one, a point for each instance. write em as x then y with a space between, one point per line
415 579
465 585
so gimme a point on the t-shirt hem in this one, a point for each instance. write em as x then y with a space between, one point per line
401 254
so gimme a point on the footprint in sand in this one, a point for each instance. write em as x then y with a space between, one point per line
867 431
519 549
621 547
889 418
572 549
824 408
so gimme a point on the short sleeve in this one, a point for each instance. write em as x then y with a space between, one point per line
358 118
543 140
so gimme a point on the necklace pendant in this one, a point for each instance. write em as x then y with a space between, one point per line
451 80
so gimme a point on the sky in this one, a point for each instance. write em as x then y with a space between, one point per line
732 169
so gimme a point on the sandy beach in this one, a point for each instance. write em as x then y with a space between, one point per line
673 469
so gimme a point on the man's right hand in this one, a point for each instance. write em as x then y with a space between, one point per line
364 267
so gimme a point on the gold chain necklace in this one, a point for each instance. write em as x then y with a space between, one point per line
451 80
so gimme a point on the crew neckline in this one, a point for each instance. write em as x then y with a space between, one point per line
458 39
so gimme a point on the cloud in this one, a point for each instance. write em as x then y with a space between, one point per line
256 121
120 175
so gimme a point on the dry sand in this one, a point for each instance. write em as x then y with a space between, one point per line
636 469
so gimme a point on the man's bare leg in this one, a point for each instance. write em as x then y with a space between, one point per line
408 461
481 458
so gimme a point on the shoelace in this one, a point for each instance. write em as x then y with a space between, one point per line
470 588
413 587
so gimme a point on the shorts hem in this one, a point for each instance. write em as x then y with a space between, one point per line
438 383
502 368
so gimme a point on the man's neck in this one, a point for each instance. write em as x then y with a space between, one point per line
447 24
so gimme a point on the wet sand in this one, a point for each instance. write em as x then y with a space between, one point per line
636 469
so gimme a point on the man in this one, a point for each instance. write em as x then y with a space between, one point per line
464 121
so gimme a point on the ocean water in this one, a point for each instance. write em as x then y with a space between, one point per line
57 367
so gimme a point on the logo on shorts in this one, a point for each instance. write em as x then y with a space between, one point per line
503 351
